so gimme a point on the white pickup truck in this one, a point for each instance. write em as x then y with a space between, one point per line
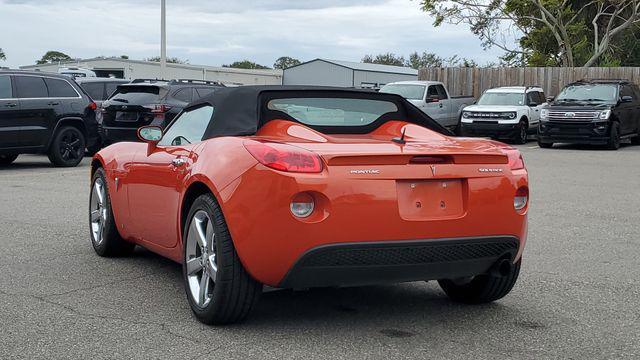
432 98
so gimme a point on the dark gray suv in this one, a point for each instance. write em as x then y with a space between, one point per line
45 113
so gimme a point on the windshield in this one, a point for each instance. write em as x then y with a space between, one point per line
411 92
333 111
588 92
500 98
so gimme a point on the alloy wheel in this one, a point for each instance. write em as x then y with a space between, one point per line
70 146
200 258
98 211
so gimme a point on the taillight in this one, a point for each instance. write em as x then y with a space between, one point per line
92 106
284 157
521 198
158 108
302 205
516 162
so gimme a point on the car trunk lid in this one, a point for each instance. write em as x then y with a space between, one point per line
427 173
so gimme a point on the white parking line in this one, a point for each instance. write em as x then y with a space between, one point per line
534 147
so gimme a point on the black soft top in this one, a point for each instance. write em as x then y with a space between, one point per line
243 110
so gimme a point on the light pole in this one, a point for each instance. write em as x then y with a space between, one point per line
163 40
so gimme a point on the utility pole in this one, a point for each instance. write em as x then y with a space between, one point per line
163 39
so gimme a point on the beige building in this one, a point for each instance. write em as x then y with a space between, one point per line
137 69
346 74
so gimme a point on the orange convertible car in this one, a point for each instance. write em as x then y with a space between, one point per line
299 187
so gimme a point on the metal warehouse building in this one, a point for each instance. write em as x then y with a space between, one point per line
136 69
346 74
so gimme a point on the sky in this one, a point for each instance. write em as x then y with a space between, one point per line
220 32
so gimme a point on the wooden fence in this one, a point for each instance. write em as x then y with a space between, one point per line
474 81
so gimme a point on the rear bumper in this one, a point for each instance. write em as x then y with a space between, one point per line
594 133
398 261
488 129
112 134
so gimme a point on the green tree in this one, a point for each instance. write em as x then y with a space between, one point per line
126 57
245 64
549 32
2 55
385 59
285 62
171 60
425 60
52 57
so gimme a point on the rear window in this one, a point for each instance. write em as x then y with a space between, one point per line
138 94
333 111
411 92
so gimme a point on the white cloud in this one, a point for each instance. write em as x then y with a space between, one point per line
217 32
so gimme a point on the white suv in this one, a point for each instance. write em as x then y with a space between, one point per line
506 112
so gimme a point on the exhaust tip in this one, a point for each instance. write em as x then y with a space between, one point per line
502 268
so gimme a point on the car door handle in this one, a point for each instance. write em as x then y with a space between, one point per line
11 105
177 162
53 103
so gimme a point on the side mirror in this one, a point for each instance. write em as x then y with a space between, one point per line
433 99
627 98
550 98
150 134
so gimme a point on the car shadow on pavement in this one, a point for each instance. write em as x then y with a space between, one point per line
382 304
392 311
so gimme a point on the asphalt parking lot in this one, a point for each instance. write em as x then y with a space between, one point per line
578 294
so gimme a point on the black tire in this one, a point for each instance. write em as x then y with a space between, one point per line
522 131
614 136
111 243
67 148
7 159
545 145
235 292
482 288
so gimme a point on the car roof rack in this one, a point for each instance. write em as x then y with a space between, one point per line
194 82
146 81
617 81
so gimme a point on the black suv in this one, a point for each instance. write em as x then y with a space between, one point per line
147 102
45 113
592 112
